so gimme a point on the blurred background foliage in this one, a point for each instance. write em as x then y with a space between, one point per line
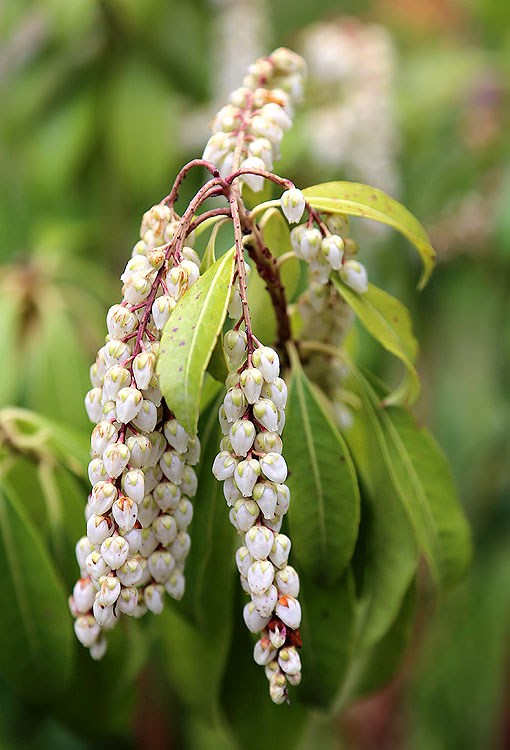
102 101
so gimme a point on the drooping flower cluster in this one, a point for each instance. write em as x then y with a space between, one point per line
141 469
248 131
253 471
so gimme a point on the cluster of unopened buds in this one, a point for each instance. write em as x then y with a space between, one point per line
141 470
253 471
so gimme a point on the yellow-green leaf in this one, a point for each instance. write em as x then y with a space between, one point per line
355 199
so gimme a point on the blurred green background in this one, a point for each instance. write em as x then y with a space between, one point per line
101 102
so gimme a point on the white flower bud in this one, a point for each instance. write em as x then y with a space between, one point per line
124 511
271 669
158 447
128 403
162 308
172 466
153 393
167 495
255 182
98 528
274 523
175 585
254 622
231 492
143 369
273 467
116 377
288 610
140 449
148 511
133 484
102 497
263 127
260 576
115 459
289 660
98 649
242 434
267 361
137 288
281 421
192 455
251 382
133 537
115 551
245 476
246 514
232 517
192 270
266 602
224 422
176 435
277 636
161 565
183 514
189 253
93 404
224 466
264 494
337 224
153 475
277 688
293 205
243 560
83 549
149 542
262 148
282 499
280 551
189 482
127 601
277 392
320 269
235 404
310 244
87 630
109 590
165 529
115 352
244 585
268 442
259 541
333 249
263 653
181 546
287 581
84 595
109 412
96 565
354 274
102 613
266 414
130 573
103 435
234 343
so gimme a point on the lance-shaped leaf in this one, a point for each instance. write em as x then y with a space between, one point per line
422 480
388 320
324 509
355 199
35 622
189 338
210 251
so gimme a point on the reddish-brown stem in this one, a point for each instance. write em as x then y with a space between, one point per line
208 215
173 194
241 271
281 181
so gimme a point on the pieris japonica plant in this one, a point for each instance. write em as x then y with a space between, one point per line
332 488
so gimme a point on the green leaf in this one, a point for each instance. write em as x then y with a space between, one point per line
328 632
209 256
389 322
324 511
189 338
218 366
422 480
355 199
35 622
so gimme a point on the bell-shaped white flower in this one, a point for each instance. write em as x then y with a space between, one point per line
125 512
149 542
192 455
224 466
280 551
84 595
175 585
115 551
277 688
128 403
143 369
137 288
96 565
255 182
289 661
259 541
152 393
133 537
234 343
189 482
268 442
267 361
115 378
251 382
109 590
115 352
98 528
246 513
266 601
183 514
243 560
263 652
148 511
281 421
133 484
181 546
98 649
262 148
260 576
140 450
103 435
172 466
231 491
266 414
159 446
354 274
130 573
274 523
264 494
293 204
128 599
253 620
287 581
242 434
245 476
235 404
282 499
87 630
161 565
93 404
102 497
277 392
167 496
332 248
109 412
288 610
154 598
310 245
176 435
83 549
116 458
274 467
162 308
153 475
165 529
